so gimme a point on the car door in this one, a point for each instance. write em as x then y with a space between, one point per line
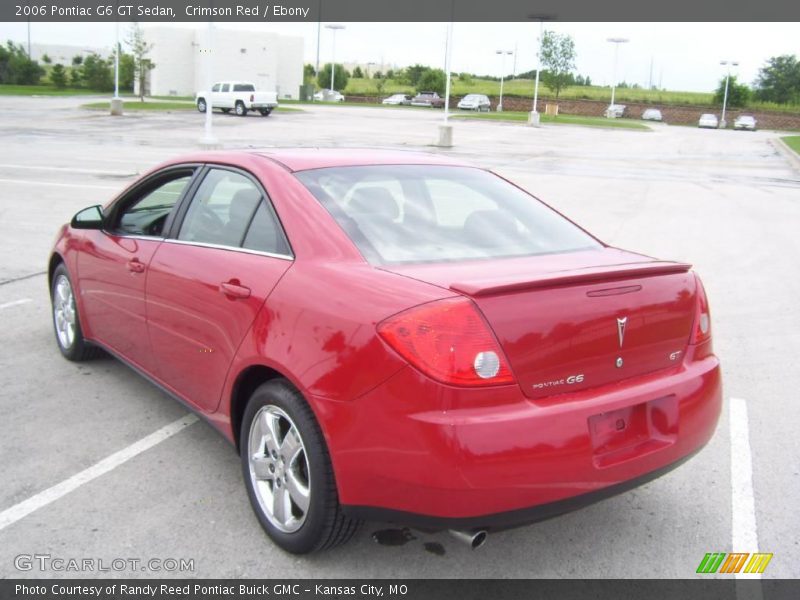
112 266
208 281
226 96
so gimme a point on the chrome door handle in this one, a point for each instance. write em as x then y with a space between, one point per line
234 290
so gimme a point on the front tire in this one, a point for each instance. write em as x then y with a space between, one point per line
288 473
201 105
241 109
67 324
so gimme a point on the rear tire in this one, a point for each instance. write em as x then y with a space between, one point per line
288 472
201 105
265 112
66 323
241 109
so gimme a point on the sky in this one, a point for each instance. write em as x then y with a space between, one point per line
684 56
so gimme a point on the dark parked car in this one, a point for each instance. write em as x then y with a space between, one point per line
431 99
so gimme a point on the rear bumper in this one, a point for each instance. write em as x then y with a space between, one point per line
491 457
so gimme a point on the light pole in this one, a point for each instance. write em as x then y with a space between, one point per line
333 27
503 54
616 41
445 139
729 64
533 116
116 101
209 141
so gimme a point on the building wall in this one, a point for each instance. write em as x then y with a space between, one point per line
271 61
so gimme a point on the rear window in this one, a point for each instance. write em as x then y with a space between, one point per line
243 87
415 213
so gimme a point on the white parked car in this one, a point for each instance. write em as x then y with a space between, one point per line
328 96
237 96
747 122
652 114
479 102
398 100
615 111
708 121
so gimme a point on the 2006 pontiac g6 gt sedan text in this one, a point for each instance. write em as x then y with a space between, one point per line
392 335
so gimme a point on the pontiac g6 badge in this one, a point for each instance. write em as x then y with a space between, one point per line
621 321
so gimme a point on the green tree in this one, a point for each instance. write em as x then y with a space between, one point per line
76 77
390 74
308 73
97 73
380 83
46 59
127 72
140 49
340 77
738 93
433 80
58 76
377 75
77 60
779 80
358 73
558 58
411 75
17 68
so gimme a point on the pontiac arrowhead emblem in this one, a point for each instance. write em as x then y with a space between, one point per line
621 321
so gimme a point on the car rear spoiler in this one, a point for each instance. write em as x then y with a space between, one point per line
488 287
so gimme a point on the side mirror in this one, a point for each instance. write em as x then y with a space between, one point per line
88 218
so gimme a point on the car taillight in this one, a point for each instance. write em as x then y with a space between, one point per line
449 341
701 330
252 97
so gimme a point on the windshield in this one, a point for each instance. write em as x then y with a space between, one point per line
421 213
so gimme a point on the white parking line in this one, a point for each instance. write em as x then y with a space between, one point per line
26 507
744 533
15 303
55 184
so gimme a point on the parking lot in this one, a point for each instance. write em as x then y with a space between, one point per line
727 202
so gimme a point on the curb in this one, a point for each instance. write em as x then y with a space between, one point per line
788 153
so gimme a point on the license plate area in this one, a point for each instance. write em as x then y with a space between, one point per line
631 432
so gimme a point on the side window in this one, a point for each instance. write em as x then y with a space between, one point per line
226 87
147 214
215 88
221 209
265 233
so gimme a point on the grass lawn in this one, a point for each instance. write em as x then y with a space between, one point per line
42 90
522 117
134 105
793 141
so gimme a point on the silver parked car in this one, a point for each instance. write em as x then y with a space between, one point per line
479 102
652 114
615 111
708 121
398 100
747 122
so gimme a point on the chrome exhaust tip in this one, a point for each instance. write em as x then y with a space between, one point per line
474 539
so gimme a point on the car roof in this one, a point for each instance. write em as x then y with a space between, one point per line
302 159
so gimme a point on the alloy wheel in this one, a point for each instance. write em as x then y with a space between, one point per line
64 312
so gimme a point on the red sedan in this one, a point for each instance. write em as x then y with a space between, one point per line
392 336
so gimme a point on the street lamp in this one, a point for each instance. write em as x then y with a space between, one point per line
729 64
116 101
503 54
334 28
616 41
533 116
209 141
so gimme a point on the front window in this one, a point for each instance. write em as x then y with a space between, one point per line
415 213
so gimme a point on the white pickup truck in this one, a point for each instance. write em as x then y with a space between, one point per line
237 96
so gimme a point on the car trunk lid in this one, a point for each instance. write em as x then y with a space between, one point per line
572 321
